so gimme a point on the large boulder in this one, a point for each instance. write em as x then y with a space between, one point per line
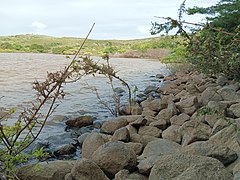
188 167
91 144
194 131
160 147
137 147
80 121
203 148
113 157
85 169
53 170
110 126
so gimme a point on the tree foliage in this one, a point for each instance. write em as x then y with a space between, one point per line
214 46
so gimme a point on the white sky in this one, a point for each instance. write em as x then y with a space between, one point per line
115 19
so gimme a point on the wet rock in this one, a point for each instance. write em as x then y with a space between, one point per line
92 142
149 89
159 76
65 150
160 147
194 131
121 134
86 169
149 130
172 133
126 175
221 153
53 170
80 121
119 90
189 167
113 157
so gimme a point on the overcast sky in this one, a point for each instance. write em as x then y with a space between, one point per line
115 19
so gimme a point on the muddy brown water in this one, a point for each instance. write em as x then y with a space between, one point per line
19 70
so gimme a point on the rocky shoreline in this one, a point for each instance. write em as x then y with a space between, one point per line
189 131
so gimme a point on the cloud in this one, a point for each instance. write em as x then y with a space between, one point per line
39 25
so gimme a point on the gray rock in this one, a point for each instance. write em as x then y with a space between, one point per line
229 93
137 147
82 138
218 106
179 119
52 170
222 80
172 133
149 130
139 122
126 175
192 131
235 109
86 169
188 167
160 147
131 129
113 157
121 134
219 125
160 123
192 89
145 165
226 137
159 76
210 94
157 105
149 89
145 139
221 153
91 144
236 172
112 125
65 150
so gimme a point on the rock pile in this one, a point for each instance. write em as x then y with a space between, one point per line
188 133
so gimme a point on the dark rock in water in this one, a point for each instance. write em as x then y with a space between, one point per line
159 76
65 150
76 132
119 90
80 121
150 89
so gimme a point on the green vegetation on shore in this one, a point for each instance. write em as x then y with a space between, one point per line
67 45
